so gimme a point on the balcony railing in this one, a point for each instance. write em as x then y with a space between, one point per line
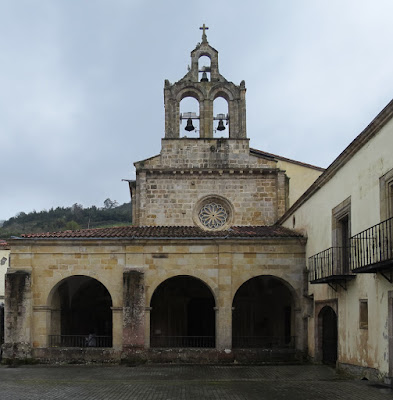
183 341
372 249
263 342
79 341
330 265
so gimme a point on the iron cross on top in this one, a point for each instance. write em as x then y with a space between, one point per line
204 28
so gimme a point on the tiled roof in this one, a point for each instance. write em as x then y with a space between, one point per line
271 155
146 232
4 245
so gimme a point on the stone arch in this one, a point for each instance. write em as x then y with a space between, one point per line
221 91
190 91
81 313
285 282
204 69
182 313
264 313
195 274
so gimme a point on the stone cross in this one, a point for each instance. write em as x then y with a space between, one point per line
204 28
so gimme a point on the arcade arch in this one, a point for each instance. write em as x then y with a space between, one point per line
81 313
182 314
263 314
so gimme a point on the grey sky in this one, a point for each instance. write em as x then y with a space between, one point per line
81 84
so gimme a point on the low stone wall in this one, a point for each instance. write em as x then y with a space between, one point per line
76 355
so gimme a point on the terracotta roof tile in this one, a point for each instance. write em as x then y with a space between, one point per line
146 232
4 245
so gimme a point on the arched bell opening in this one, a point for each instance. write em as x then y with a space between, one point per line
263 314
81 314
189 117
204 69
328 335
182 314
220 117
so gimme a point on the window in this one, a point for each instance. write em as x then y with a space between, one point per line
363 314
386 195
213 213
341 230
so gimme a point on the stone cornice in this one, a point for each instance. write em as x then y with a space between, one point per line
235 241
211 171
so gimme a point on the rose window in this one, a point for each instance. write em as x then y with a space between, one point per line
213 216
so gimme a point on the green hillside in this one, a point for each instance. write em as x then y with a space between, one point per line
67 218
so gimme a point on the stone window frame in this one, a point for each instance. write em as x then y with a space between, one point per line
339 213
386 195
222 201
363 314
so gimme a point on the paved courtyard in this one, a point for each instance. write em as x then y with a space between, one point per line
188 382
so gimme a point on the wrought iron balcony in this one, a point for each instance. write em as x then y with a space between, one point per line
330 266
372 250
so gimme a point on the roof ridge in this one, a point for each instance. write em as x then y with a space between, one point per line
262 152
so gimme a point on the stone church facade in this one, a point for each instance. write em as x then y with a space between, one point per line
203 274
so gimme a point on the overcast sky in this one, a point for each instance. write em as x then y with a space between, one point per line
81 84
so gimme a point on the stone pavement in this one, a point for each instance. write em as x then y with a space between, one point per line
164 382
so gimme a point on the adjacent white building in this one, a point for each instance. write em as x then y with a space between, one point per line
347 216
4 263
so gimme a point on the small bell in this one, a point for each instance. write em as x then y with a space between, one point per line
190 126
221 126
204 77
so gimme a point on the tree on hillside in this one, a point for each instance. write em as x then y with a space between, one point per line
109 204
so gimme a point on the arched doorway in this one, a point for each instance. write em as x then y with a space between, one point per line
182 314
327 321
81 313
263 314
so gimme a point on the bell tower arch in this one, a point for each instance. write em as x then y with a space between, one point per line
205 84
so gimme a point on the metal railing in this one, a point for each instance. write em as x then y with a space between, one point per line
183 341
263 342
79 341
331 262
373 245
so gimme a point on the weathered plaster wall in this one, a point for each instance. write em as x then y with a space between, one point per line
359 181
300 178
3 268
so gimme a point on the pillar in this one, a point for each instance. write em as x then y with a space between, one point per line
18 315
133 309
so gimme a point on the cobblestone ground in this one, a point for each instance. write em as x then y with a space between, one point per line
183 382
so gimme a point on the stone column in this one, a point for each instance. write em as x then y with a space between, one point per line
224 300
224 328
117 332
147 327
133 309
207 121
18 315
41 324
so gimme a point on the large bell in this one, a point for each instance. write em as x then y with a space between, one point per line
221 126
204 77
190 126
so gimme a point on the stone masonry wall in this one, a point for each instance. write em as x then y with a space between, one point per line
169 186
131 270
171 199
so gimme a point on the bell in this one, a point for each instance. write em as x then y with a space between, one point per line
221 126
190 126
204 77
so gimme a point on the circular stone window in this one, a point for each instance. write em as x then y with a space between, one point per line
213 213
